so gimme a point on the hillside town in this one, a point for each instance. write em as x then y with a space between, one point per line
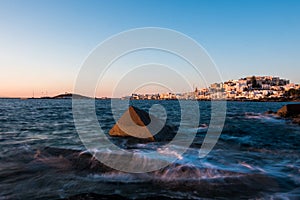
248 88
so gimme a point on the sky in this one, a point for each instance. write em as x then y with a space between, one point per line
43 44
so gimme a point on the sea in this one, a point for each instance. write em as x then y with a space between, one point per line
42 156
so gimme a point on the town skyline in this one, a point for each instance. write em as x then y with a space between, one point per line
246 88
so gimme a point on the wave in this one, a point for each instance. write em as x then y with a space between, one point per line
203 178
264 117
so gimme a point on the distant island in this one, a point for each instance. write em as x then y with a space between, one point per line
67 96
70 96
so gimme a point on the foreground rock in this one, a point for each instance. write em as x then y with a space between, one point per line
297 120
70 160
182 178
133 123
95 196
291 111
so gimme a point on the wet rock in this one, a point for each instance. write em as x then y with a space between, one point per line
296 120
133 123
204 182
290 111
269 112
94 196
68 159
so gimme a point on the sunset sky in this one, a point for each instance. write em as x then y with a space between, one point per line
43 43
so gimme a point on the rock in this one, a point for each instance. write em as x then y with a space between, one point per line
133 123
289 110
68 159
95 196
269 112
296 120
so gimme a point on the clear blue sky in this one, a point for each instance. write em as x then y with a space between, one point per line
44 42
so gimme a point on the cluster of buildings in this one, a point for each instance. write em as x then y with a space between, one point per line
251 88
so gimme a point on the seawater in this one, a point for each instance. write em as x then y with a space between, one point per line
256 157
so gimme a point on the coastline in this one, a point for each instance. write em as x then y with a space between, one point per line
236 100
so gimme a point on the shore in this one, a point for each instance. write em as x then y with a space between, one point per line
237 100
78 96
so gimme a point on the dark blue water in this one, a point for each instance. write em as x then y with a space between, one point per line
257 155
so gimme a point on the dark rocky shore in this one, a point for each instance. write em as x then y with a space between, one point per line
230 184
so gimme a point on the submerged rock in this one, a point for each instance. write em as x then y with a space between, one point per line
297 120
133 123
269 112
68 159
